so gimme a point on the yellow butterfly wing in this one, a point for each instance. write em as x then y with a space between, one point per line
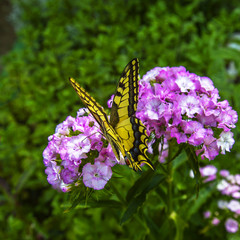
129 128
100 115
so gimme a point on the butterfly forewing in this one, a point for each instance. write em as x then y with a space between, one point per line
100 116
126 96
93 106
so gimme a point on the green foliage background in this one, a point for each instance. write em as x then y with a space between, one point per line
92 41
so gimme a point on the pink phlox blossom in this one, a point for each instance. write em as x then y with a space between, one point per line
215 221
69 176
209 149
208 171
75 148
49 153
236 195
230 189
154 109
231 178
196 132
189 105
151 75
107 156
53 174
90 128
222 185
224 173
65 187
64 127
169 98
206 84
97 175
110 101
207 214
222 204
234 206
237 179
184 82
231 225
179 135
82 111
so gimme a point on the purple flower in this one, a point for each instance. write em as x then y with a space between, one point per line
224 173
49 153
68 146
65 187
234 206
75 148
210 149
110 101
53 174
189 105
222 185
231 189
107 156
207 214
237 179
82 111
68 176
152 74
96 176
64 128
173 103
88 126
231 179
209 172
215 221
222 204
231 225
177 104
236 195
184 83
196 131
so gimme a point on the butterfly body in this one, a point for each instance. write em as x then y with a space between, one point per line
125 132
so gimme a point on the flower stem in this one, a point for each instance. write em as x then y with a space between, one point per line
169 191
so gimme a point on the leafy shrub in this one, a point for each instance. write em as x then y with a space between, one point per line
92 41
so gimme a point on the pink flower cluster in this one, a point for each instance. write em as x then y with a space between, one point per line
228 186
177 104
68 151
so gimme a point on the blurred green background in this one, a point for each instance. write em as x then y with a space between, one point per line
92 41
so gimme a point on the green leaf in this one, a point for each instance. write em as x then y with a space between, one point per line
193 204
139 199
140 184
25 177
